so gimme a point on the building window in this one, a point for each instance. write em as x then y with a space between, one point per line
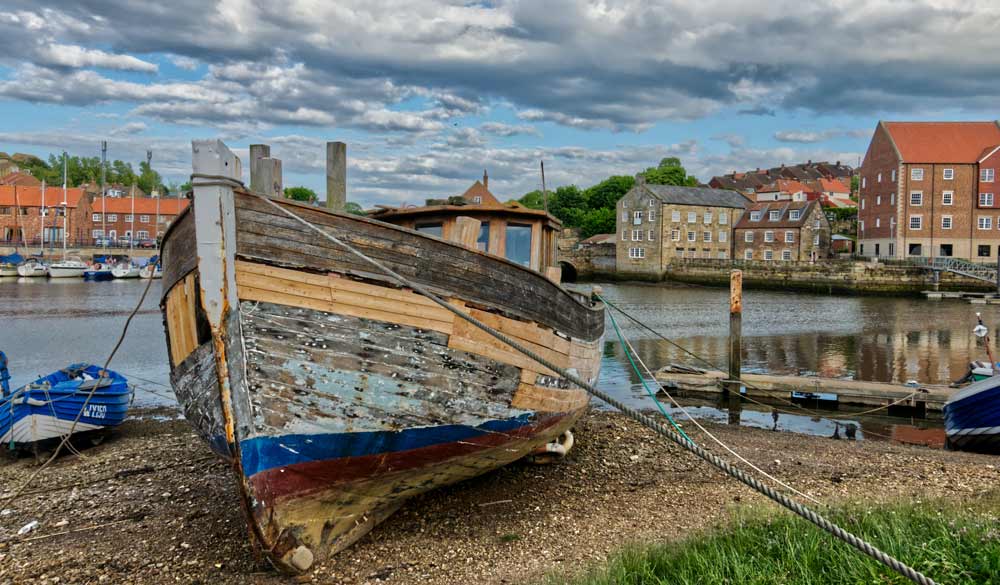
986 199
878 200
722 237
864 182
768 236
722 255
947 197
892 199
983 251
789 237
916 174
624 214
97 233
946 222
651 202
112 217
707 218
692 237
986 175
96 217
915 250
748 254
917 198
773 215
692 217
675 215
816 240
861 225
768 255
916 222
985 222
748 237
706 236
893 175
794 214
517 244
477 199
948 174
879 179
754 216
431 229
862 204
636 235
723 218
652 214
164 219
878 222
636 252
143 219
649 235
128 218
142 235
675 235
624 235
786 255
637 217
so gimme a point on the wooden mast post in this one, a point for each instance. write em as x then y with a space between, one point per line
735 344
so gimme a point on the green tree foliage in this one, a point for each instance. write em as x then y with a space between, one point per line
568 204
352 207
83 169
149 180
598 221
608 192
534 200
301 194
669 172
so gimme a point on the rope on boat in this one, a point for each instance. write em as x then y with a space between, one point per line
90 395
647 421
630 348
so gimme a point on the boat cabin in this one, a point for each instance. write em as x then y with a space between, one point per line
478 220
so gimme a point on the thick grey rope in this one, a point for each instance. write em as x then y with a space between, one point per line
635 415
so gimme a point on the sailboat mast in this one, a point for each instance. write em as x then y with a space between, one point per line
17 226
131 224
65 217
41 223
104 215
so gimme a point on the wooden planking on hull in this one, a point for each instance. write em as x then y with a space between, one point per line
268 237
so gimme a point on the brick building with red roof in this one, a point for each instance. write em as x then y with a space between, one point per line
928 190
25 211
145 217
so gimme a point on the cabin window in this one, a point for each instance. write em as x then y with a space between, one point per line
431 229
519 243
483 241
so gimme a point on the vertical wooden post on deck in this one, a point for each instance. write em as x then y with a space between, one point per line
735 344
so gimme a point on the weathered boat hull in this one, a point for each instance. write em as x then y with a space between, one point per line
336 393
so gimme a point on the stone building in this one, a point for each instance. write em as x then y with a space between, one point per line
657 223
928 189
789 231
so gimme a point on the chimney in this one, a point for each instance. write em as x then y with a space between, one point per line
486 179
336 175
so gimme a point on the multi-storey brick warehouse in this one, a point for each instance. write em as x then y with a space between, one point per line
656 223
26 213
782 231
144 218
928 190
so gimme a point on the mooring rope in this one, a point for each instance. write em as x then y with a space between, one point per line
90 395
647 421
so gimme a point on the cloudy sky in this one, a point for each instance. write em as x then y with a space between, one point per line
428 93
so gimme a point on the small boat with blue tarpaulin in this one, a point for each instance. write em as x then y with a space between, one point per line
81 397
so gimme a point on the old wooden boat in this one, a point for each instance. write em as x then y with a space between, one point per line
338 393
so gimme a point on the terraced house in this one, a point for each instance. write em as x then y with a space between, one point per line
928 189
782 231
658 223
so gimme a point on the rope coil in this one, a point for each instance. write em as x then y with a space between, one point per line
721 464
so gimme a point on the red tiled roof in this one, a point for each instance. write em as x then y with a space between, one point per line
833 186
19 179
479 190
143 205
32 196
784 186
942 142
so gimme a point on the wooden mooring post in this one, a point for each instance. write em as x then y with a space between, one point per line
735 345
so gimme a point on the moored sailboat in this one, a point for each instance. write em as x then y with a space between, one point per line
33 268
68 268
338 392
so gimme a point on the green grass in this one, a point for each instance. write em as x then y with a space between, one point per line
947 542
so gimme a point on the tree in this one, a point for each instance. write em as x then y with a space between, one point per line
609 191
352 207
301 194
149 180
669 172
855 183
598 221
568 204
533 200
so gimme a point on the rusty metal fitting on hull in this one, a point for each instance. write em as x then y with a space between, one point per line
553 451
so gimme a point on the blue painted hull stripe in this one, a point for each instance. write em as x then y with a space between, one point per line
263 453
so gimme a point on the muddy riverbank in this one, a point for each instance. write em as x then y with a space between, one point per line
165 511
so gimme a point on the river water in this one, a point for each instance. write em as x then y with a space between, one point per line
48 324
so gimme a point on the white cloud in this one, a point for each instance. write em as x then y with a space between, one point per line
78 57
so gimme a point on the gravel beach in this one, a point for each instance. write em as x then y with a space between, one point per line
151 505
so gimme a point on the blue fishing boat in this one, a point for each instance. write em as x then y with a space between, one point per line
99 272
47 408
972 417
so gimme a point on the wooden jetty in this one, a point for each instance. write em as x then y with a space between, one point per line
921 398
